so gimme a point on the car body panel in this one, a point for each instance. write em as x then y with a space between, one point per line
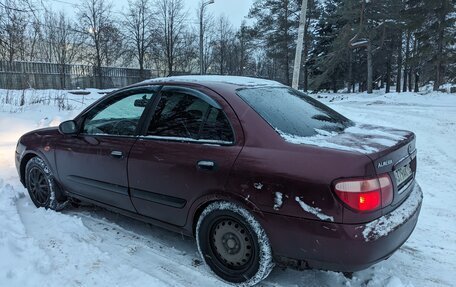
87 168
160 168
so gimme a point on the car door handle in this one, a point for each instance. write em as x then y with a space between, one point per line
117 154
206 165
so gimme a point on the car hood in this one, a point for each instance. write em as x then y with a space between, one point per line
42 132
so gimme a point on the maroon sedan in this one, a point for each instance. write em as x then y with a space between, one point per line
258 172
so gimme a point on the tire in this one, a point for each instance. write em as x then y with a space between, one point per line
42 187
233 244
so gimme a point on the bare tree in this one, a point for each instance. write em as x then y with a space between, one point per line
13 24
208 43
112 45
65 42
187 53
96 20
140 31
172 20
224 40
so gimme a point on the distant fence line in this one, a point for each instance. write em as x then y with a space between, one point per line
23 75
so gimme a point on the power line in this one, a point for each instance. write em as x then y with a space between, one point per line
15 8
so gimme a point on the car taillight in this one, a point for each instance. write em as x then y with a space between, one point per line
365 194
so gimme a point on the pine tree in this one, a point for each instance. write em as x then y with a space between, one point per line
434 32
275 30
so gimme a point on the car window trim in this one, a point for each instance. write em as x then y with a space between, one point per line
187 140
192 92
80 119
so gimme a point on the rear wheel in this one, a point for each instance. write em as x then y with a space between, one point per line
233 244
41 185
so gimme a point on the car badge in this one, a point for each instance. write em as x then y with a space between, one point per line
385 163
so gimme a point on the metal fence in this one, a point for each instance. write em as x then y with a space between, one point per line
22 75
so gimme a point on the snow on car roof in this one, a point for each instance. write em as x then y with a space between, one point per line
234 80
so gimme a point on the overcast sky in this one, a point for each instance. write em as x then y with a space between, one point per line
235 10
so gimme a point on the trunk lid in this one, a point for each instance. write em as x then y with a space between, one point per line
392 152
400 163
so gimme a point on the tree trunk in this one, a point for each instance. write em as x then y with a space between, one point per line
370 74
350 71
407 59
399 64
439 63
413 65
388 74
306 55
286 43
417 80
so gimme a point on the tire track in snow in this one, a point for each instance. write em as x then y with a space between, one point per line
140 247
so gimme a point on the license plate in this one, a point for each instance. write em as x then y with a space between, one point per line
403 174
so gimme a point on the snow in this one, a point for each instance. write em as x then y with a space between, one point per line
258 185
361 138
235 80
278 200
360 43
388 223
313 210
90 246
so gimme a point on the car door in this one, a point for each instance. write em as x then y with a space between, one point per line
186 151
93 164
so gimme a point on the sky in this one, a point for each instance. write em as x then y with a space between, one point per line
235 10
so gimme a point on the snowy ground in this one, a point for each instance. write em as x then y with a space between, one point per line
94 247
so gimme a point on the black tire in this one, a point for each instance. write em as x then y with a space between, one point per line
42 187
233 244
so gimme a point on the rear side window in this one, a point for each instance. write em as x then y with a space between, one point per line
292 112
183 116
217 127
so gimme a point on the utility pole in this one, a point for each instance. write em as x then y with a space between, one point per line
203 6
299 45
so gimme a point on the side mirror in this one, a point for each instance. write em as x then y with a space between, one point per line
68 128
142 103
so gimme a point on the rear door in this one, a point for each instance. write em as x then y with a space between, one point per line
186 151
93 164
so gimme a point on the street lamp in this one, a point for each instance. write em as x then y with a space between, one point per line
203 6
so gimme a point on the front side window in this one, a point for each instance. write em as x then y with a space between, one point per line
183 116
120 117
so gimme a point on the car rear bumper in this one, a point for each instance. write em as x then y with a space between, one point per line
342 247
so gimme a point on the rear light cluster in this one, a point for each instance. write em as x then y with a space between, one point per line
366 194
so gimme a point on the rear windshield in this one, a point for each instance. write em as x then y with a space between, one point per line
291 112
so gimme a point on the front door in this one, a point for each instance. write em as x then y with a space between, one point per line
187 151
93 164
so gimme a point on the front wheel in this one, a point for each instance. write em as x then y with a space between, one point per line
42 187
233 244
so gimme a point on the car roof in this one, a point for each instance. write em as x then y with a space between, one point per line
213 81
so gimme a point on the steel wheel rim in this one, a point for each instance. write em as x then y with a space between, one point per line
232 243
38 186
